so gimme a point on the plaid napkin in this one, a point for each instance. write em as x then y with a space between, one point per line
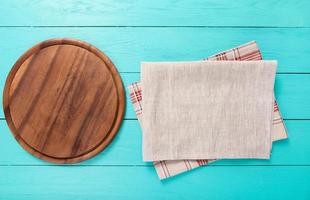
166 169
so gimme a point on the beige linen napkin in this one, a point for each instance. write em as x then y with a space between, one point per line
207 110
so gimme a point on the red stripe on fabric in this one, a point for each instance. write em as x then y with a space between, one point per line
238 53
186 165
166 168
139 92
233 51
161 164
254 54
277 119
190 166
276 107
279 122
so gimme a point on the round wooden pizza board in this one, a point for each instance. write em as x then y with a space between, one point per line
64 101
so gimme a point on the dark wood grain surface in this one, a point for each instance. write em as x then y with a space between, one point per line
64 101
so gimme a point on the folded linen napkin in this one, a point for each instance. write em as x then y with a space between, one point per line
207 110
168 168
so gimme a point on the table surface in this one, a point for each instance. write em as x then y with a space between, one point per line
164 30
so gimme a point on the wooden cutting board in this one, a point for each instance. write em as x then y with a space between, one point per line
64 100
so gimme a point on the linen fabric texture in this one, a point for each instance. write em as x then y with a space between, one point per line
207 110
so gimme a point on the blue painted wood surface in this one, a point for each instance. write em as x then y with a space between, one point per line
133 31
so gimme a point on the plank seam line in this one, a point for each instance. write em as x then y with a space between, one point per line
150 26
280 73
73 165
286 119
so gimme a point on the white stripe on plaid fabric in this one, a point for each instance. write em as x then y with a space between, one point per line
166 169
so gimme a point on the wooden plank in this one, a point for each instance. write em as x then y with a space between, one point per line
291 92
126 148
256 182
154 13
127 47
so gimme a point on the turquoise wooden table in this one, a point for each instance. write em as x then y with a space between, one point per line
133 31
